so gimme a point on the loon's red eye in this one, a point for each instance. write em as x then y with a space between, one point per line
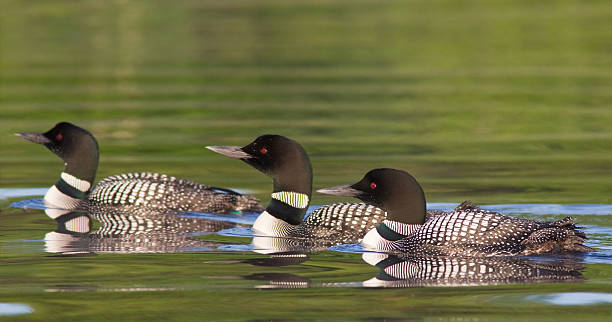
59 137
373 185
263 150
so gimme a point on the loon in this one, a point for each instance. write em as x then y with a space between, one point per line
151 193
466 231
286 161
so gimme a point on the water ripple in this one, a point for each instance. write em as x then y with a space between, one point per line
248 218
6 193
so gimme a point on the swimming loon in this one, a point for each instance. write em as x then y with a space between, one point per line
287 163
151 192
466 231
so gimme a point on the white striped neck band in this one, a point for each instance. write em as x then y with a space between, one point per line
293 199
72 186
75 182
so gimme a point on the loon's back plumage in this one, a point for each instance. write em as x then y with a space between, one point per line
476 232
156 191
344 223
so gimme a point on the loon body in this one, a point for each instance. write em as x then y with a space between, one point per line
288 164
465 231
148 192
161 192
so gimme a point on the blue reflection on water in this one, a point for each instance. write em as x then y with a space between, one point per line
21 192
349 248
237 232
36 203
247 218
7 309
572 298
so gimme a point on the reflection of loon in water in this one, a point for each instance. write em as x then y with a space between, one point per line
121 233
414 271
279 280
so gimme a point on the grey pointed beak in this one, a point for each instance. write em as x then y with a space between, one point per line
34 137
344 190
234 152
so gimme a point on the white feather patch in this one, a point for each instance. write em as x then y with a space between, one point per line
56 198
401 228
293 199
269 225
373 240
77 183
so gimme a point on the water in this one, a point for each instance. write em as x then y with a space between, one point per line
7 309
503 102
212 260
13 192
578 298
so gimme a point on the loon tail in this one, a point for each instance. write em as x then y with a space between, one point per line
466 205
557 236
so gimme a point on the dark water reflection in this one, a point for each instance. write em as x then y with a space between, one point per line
415 271
141 232
166 234
120 232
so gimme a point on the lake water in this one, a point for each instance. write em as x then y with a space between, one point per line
501 102
200 266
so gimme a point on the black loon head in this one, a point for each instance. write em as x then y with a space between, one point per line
395 191
284 160
76 146
281 158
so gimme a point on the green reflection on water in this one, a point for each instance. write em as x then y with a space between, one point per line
503 102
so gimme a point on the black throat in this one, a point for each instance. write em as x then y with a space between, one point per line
83 166
296 177
67 189
404 201
387 233
286 212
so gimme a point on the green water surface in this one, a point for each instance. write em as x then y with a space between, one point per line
493 101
